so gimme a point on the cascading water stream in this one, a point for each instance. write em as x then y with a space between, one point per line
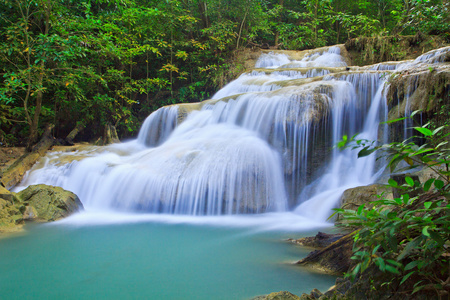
264 143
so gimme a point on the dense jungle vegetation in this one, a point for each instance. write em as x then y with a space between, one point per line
88 63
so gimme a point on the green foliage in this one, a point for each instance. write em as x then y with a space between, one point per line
408 236
428 16
103 62
358 25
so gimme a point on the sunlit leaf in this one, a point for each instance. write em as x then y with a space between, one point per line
425 231
424 131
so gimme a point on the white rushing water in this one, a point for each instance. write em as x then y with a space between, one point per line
267 147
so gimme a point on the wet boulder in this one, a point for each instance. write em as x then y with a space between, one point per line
354 197
48 203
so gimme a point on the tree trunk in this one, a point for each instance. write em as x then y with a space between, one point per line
78 128
203 9
316 7
277 33
33 135
14 174
240 30
110 135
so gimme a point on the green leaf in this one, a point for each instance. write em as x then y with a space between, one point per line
341 144
409 181
441 144
392 183
427 204
375 249
393 242
408 248
355 271
395 161
427 184
336 211
366 151
411 265
415 113
392 269
425 231
381 264
394 121
418 288
405 198
439 184
360 209
395 263
424 131
437 237
406 277
437 130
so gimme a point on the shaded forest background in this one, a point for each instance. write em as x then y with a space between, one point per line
86 64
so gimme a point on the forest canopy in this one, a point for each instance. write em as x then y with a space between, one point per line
89 63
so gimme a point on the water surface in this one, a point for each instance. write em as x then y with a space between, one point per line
153 258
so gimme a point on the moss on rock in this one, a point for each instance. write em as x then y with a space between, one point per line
51 203
283 295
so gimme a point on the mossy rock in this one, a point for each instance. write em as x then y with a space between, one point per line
354 197
10 214
6 195
283 295
50 203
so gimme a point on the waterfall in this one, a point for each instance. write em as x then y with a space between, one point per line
263 143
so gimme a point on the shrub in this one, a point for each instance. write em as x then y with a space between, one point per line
408 236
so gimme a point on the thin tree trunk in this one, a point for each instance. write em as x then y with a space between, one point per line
33 135
110 135
240 29
14 173
203 8
277 33
315 20
71 136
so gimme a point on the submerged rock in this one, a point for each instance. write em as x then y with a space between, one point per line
50 203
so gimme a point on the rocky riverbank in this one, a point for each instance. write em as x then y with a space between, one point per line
38 203
333 253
